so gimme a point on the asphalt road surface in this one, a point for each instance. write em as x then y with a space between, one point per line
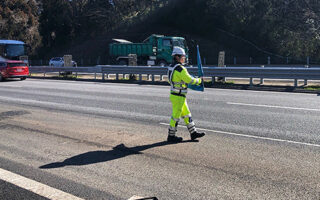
108 141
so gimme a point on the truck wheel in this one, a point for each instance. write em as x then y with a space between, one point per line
23 78
162 63
123 62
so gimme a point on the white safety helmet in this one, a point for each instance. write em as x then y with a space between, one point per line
178 51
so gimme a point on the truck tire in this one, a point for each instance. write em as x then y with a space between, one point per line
162 63
23 78
122 62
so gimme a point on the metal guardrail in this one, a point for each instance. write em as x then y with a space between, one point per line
230 72
271 73
46 69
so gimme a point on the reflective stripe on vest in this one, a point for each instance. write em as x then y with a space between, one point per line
195 81
181 89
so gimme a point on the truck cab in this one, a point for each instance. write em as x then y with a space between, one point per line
163 47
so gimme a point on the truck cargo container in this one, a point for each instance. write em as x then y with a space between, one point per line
155 50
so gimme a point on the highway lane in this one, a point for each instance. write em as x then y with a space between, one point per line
107 141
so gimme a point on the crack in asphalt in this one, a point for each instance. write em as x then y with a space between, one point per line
13 113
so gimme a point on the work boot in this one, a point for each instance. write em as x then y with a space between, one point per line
193 131
196 135
172 135
174 139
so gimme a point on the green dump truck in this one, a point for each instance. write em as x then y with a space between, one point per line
155 50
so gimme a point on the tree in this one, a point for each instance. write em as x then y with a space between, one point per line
19 21
57 23
286 27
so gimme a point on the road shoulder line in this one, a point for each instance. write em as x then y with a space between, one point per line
35 187
255 137
271 106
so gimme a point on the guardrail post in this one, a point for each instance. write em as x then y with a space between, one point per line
251 81
306 80
140 77
269 60
261 79
117 76
213 80
295 82
161 77
234 60
95 76
152 76
102 76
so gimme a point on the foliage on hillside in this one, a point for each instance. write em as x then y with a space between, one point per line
288 28
62 21
285 27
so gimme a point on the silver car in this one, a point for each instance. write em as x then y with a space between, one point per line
59 62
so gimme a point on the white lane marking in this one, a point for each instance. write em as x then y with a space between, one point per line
35 187
135 197
255 137
13 86
72 107
80 96
269 106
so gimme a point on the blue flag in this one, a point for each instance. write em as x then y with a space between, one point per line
200 74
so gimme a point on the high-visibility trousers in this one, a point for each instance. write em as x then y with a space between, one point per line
180 109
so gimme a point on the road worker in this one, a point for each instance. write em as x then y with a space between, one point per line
179 78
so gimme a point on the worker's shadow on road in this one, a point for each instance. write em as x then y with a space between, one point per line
117 152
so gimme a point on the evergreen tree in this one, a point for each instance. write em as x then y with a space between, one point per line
56 23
